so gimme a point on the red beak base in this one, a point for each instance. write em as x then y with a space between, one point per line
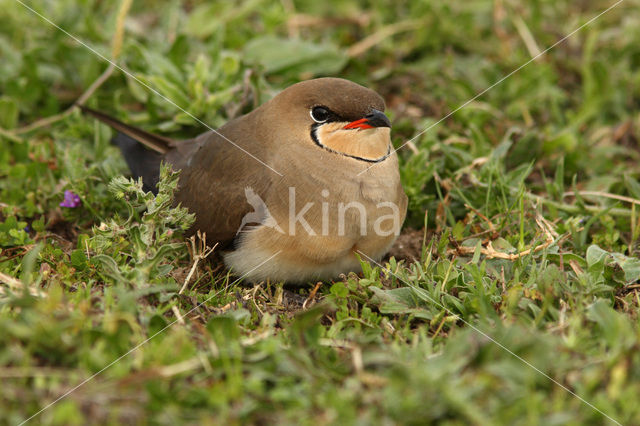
359 124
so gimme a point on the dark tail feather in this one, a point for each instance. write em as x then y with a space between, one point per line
155 142
142 162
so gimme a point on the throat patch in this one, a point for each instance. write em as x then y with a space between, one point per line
352 143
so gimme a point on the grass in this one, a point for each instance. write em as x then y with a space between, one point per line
521 242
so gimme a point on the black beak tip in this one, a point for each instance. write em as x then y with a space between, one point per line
378 119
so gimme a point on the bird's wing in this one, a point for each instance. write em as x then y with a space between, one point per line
215 176
214 171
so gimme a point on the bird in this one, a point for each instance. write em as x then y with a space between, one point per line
297 190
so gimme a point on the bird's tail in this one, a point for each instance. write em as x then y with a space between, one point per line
143 151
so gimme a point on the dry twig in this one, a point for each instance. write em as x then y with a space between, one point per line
312 295
385 32
15 284
199 252
604 195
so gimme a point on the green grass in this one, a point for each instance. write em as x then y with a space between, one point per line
410 341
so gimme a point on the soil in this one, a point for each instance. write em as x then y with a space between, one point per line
408 246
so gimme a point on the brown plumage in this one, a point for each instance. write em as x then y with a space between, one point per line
320 162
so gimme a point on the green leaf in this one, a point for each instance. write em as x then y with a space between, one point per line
339 289
277 54
595 255
632 186
400 301
78 259
108 267
8 112
566 257
615 266
12 233
170 90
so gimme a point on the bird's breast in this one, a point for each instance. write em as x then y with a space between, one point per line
323 218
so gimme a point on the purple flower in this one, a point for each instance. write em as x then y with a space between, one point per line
71 200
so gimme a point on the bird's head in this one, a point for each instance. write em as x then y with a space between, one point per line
336 115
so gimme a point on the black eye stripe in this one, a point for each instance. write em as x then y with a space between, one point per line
322 114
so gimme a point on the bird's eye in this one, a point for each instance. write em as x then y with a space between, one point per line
320 114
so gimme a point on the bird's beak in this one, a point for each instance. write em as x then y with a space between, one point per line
374 119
